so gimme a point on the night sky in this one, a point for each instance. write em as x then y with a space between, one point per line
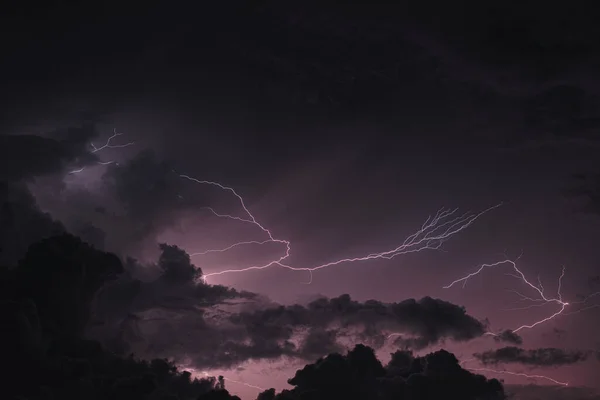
343 128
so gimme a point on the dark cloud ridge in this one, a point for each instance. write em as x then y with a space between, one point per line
548 356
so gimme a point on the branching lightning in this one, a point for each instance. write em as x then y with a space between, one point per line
106 145
541 298
521 374
433 233
206 374
431 236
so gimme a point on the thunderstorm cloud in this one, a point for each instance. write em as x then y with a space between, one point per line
548 356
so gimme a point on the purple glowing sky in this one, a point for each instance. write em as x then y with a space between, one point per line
342 139
308 208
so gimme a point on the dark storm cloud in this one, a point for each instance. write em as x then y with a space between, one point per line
360 375
508 336
23 158
427 320
176 315
146 185
539 357
47 301
21 222
171 315
27 156
150 197
319 341
176 286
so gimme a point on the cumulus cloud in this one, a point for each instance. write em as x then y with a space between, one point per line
178 316
27 156
359 375
419 323
22 159
508 336
48 299
21 222
547 356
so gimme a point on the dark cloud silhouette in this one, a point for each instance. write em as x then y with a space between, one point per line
319 341
508 336
428 320
47 301
145 185
23 158
359 375
518 69
548 356
21 222
61 274
165 316
27 156
176 265
148 196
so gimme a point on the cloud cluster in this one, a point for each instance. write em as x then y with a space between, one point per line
416 323
508 336
22 159
359 375
47 301
548 356
176 315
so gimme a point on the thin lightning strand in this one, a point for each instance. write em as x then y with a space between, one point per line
106 145
542 298
433 233
522 374
245 384
238 382
201 253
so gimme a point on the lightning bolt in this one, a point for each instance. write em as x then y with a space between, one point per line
541 298
206 374
106 145
496 371
245 384
433 233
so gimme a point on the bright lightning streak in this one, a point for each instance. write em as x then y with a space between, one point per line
542 298
106 145
496 371
245 384
201 253
433 233
238 382
520 374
